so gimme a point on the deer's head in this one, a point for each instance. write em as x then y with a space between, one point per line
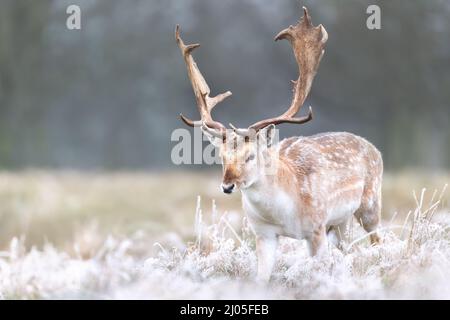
245 152
244 158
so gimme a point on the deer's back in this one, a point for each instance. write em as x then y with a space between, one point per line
333 170
331 151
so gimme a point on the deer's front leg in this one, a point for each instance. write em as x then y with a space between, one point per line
266 247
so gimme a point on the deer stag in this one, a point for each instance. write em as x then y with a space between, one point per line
319 182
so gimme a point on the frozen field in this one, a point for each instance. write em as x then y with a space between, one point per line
148 236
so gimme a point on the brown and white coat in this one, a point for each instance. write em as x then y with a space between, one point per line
319 182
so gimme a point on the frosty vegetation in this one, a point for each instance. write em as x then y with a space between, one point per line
412 262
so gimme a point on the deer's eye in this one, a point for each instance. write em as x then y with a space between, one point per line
250 158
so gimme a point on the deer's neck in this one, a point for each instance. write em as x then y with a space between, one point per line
282 179
272 199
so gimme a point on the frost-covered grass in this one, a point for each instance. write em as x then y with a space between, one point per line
412 262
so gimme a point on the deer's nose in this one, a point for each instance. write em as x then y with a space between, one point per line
227 188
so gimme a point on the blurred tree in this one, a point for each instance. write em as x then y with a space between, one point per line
107 96
22 50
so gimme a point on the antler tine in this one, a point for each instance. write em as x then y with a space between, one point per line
201 89
308 43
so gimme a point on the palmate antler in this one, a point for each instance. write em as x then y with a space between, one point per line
201 89
308 43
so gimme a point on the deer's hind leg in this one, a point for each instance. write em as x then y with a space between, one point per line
337 234
317 241
369 213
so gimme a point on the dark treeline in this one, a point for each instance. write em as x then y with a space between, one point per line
108 96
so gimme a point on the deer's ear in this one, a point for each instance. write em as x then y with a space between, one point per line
267 136
215 141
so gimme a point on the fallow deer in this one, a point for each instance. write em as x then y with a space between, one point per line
319 182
